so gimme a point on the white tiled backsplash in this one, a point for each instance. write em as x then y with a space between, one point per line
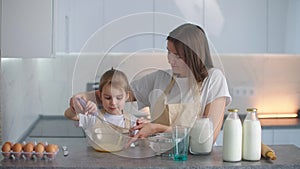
30 87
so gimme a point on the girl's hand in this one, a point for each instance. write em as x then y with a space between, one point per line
80 105
91 108
76 106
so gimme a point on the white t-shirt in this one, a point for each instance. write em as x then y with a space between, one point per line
148 88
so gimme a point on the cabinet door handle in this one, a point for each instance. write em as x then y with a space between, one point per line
67 34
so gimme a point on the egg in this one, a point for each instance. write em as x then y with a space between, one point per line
10 143
31 143
51 150
39 150
41 143
6 150
17 148
6 147
28 149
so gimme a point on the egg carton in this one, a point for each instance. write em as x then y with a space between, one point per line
29 155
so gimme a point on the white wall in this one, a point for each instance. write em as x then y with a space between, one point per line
43 86
273 79
31 87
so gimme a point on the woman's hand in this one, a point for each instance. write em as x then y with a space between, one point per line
141 121
146 130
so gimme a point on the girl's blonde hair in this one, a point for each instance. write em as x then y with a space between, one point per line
115 78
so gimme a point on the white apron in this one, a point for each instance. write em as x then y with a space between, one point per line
183 114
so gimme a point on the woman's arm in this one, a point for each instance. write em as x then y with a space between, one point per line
215 111
148 129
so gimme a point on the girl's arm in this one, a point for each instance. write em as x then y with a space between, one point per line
75 107
215 111
92 96
71 114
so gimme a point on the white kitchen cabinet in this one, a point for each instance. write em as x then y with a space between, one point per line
238 26
127 26
234 26
169 14
267 136
283 26
75 22
79 22
281 136
256 26
287 136
130 23
244 26
26 28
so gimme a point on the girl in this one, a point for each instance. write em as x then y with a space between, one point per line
111 118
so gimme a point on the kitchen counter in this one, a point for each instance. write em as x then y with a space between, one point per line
83 156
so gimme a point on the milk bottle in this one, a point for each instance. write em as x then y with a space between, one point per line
232 137
251 136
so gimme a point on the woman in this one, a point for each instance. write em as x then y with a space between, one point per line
191 63
192 79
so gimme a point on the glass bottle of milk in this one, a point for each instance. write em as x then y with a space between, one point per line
232 137
251 136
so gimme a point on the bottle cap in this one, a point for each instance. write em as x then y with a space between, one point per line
235 110
252 109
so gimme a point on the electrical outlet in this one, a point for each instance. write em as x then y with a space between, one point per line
243 91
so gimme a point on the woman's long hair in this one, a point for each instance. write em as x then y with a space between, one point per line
192 45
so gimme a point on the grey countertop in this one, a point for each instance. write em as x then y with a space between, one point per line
83 156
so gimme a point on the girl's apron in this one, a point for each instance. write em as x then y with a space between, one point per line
184 114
